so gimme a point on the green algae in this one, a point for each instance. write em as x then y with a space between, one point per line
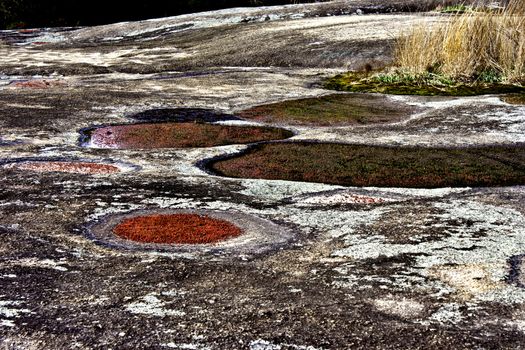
404 85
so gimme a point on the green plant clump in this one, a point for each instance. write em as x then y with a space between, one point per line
477 51
458 8
425 84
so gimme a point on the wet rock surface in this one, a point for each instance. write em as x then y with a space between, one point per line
353 267
182 115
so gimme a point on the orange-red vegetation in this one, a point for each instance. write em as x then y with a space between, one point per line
37 84
64 167
365 199
176 229
180 135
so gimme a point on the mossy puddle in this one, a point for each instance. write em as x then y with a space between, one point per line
378 166
330 110
177 135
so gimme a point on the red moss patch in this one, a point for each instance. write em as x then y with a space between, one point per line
37 84
176 229
65 167
180 135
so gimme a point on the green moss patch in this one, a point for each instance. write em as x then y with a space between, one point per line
428 85
336 109
179 135
358 165
456 9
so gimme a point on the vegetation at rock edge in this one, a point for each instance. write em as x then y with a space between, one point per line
476 50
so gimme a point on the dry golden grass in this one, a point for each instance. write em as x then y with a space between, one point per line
480 44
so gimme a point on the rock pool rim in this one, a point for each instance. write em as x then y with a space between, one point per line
85 134
260 236
121 166
207 164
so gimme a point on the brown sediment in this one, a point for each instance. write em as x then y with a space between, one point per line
64 166
176 229
336 109
359 165
180 135
514 99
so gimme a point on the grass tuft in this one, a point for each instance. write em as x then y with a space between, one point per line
482 45
473 51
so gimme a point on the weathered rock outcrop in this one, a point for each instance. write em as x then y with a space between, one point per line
352 267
